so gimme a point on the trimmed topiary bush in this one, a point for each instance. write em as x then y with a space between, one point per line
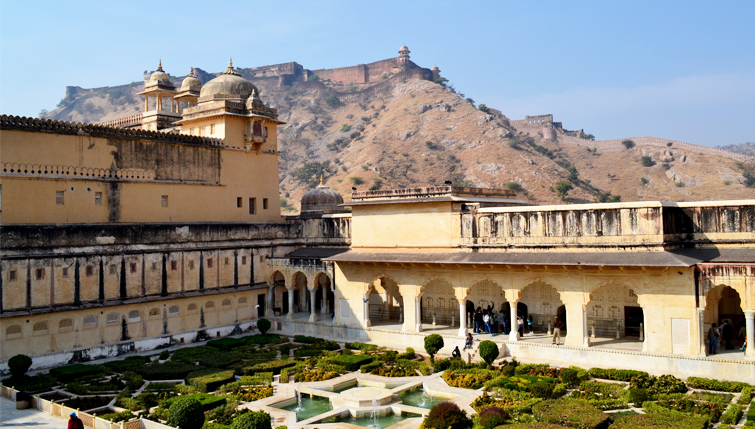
433 344
488 351
263 325
492 417
209 380
186 413
18 365
720 385
638 395
446 415
732 415
252 420
616 374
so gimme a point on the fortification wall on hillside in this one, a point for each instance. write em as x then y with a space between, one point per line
362 96
616 145
366 73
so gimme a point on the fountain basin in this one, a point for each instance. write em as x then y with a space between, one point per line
364 397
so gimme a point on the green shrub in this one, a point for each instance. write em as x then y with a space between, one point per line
118 417
492 417
750 416
570 413
206 400
352 362
616 374
488 351
263 325
449 363
638 395
569 376
647 161
18 365
659 421
75 372
409 354
732 415
719 385
746 396
287 373
433 344
468 378
304 339
33 384
559 390
209 380
446 415
361 346
133 380
185 413
252 420
534 369
265 339
657 385
164 355
131 363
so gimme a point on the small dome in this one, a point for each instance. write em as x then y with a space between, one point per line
159 74
321 199
189 81
228 86
435 70
403 50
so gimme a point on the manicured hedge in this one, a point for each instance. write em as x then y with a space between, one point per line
209 380
74 372
273 366
533 369
732 415
128 364
265 339
468 378
719 385
227 343
659 421
304 339
570 413
361 346
34 384
207 400
750 416
167 371
616 374
352 362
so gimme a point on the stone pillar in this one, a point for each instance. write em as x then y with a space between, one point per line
290 315
159 104
366 310
146 103
462 319
750 333
514 334
312 302
586 337
574 325
270 301
418 313
324 304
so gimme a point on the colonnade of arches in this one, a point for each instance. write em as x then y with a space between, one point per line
311 295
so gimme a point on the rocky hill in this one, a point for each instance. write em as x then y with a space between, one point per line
417 132
744 148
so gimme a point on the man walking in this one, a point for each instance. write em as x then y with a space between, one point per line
557 325
486 321
713 339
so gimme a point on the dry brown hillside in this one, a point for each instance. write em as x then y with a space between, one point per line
421 133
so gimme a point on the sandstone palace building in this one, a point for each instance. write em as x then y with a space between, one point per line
166 229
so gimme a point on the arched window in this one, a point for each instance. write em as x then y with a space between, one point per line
65 325
192 307
226 303
13 331
257 128
113 318
242 302
40 326
173 309
90 321
154 312
209 304
134 316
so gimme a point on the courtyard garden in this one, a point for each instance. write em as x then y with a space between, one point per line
261 380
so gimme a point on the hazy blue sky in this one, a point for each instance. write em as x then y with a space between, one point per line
681 70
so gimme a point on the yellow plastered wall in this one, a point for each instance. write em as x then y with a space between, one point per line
405 225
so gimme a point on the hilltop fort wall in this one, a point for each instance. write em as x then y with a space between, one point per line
367 73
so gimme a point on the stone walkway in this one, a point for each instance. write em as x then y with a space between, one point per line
11 417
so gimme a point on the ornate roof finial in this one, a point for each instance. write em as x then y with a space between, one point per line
160 65
230 69
191 73
321 178
230 62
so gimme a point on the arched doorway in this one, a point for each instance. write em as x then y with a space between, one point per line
723 304
614 315
386 305
440 308
301 294
324 296
542 302
278 298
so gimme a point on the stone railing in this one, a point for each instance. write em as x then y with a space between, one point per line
8 122
431 191
80 172
616 145
89 420
128 121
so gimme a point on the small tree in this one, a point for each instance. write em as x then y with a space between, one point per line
587 136
263 325
628 143
433 344
252 420
313 78
573 174
493 417
18 365
356 180
484 108
563 188
42 113
186 413
647 161
488 351
446 415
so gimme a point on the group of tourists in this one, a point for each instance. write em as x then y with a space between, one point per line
724 336
490 321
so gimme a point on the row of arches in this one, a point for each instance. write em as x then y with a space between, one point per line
301 295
